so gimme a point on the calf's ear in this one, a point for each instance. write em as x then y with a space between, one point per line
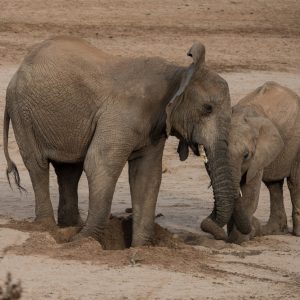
268 145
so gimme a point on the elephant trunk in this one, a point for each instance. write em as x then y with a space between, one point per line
240 217
241 220
223 188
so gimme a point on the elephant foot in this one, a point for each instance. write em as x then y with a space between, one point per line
47 223
296 231
142 241
296 227
85 233
64 235
274 228
296 224
237 238
209 226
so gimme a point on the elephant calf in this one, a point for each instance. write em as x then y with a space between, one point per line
264 145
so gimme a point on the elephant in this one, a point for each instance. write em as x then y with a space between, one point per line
264 145
79 108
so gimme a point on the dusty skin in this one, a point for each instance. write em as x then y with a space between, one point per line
249 42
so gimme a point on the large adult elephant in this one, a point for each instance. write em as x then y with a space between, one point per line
81 109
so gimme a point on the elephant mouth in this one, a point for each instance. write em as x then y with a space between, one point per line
243 179
199 150
242 183
204 158
202 154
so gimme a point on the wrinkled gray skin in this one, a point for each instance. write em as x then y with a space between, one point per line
264 145
81 109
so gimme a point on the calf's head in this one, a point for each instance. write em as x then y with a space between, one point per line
254 143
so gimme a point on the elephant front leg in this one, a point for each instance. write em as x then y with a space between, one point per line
277 223
294 187
246 206
296 212
103 165
101 190
102 185
145 178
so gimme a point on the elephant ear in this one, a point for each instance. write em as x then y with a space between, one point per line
197 52
195 148
183 150
268 145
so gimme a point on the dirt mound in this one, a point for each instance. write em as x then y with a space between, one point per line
167 251
184 259
117 235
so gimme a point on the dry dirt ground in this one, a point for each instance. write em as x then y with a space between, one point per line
249 42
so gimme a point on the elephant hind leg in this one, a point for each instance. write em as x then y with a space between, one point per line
39 175
37 166
68 176
277 223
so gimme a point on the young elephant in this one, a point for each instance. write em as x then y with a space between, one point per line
81 109
264 145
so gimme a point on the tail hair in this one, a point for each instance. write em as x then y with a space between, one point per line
12 169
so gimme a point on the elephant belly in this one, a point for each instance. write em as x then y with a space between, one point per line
58 134
64 140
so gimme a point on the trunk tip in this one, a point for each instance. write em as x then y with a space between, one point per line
242 221
209 226
245 228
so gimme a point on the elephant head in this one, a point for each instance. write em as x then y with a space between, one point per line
254 142
199 114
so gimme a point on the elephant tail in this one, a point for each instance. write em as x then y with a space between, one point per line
11 166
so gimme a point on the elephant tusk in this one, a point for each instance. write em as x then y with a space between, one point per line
203 154
241 194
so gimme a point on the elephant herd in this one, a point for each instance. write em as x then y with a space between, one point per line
81 109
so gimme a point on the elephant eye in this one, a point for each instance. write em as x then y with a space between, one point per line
246 155
208 109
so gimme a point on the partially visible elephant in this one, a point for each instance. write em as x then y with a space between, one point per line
264 145
81 109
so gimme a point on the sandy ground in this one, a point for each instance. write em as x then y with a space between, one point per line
249 42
